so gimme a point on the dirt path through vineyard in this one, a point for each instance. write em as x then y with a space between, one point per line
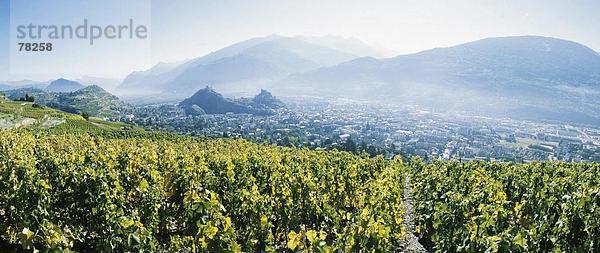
412 242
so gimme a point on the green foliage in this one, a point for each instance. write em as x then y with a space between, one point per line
26 109
496 207
85 115
92 99
27 98
83 192
103 186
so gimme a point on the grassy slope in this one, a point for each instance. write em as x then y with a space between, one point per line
25 110
92 99
50 120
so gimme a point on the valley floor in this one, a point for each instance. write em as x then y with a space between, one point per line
388 130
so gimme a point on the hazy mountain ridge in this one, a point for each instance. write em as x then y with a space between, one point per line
504 76
494 60
9 85
495 74
108 84
349 45
5 87
152 81
64 85
140 82
266 61
58 85
250 63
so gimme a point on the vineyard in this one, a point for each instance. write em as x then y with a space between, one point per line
489 207
128 191
81 192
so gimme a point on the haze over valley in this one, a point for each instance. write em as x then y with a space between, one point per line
526 77
544 92
300 126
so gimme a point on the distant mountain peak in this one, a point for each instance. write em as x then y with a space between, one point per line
64 85
208 89
273 36
250 63
264 92
263 95
529 42
93 88
266 99
350 45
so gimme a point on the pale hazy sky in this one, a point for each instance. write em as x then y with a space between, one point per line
191 28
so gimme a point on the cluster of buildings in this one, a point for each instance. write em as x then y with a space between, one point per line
391 130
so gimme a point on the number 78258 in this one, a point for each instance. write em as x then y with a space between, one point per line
35 47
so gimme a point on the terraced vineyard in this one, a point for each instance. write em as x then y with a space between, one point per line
42 119
14 113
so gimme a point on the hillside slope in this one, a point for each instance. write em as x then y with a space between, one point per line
91 99
26 115
505 76
244 66
506 61
210 102
63 85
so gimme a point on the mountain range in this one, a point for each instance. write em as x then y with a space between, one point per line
58 85
244 65
62 84
493 62
530 77
527 76
9 85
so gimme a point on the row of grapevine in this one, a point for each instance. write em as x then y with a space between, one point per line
490 207
82 192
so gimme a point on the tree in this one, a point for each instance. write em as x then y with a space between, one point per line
350 145
85 115
362 147
372 151
29 98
